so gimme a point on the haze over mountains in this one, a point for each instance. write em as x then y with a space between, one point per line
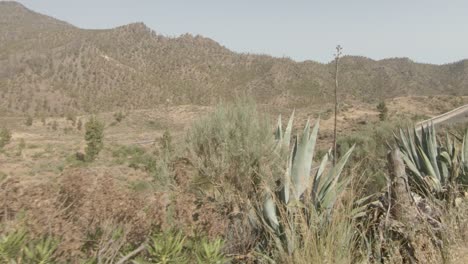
50 67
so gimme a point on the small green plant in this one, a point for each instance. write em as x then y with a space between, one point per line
54 125
28 121
72 118
383 111
5 137
166 143
119 116
41 251
21 147
210 252
11 246
15 248
94 137
165 248
79 125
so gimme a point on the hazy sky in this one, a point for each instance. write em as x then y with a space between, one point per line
423 30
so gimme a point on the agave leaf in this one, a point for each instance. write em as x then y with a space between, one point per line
269 210
432 147
287 179
411 166
310 153
288 131
464 152
449 144
317 178
430 170
416 143
330 189
279 130
404 143
302 161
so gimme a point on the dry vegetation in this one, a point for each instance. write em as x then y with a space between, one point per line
178 180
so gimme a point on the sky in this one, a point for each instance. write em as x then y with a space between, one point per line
426 31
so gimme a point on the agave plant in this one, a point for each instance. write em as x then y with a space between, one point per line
11 246
42 251
314 189
165 248
210 252
433 165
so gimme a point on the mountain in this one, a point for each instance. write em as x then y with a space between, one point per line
51 67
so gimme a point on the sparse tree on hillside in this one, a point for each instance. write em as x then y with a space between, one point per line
79 124
383 111
94 136
5 137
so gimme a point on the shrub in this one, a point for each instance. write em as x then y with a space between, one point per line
28 121
5 137
166 144
228 146
94 137
119 116
383 111
54 125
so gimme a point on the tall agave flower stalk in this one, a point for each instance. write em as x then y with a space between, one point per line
432 164
307 190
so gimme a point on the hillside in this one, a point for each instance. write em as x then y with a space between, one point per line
49 67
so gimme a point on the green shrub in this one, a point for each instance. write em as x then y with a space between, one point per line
94 137
5 137
28 121
383 111
15 247
119 116
165 248
210 252
229 145
166 144
138 158
79 124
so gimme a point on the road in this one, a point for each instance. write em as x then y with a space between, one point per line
457 115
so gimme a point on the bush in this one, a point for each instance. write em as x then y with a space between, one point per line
5 137
229 145
166 144
383 111
119 116
79 124
28 121
94 137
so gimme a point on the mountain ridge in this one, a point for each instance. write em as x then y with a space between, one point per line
50 67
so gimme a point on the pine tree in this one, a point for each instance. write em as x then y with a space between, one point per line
94 136
383 111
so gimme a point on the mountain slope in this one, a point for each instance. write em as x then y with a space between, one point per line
51 67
